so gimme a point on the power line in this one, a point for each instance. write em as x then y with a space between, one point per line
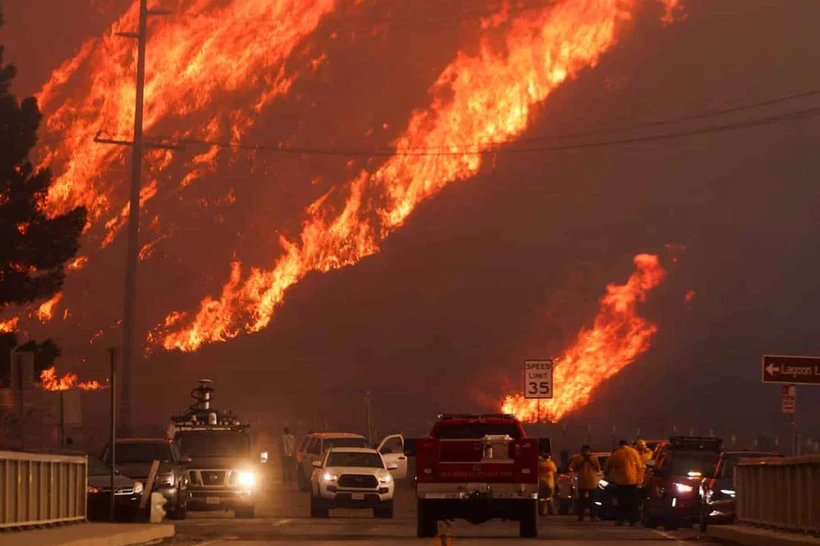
509 148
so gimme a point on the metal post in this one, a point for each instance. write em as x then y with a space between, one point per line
112 450
132 252
368 416
62 419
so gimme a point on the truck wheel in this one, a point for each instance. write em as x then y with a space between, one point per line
384 511
528 524
245 512
318 508
426 522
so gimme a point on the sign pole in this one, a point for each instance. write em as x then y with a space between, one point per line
112 353
795 435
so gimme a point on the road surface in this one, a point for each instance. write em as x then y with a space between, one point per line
282 519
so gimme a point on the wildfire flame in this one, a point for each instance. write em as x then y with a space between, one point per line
49 381
46 310
615 340
8 326
205 53
480 100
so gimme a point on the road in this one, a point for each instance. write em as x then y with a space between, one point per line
282 520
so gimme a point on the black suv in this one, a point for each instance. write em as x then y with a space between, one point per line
673 479
134 457
717 490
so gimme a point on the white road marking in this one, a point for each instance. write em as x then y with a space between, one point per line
282 522
667 536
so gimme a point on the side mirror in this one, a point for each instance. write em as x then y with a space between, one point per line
263 457
186 460
410 445
392 466
317 464
544 446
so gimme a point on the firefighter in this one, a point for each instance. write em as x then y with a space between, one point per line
644 453
622 469
587 467
546 485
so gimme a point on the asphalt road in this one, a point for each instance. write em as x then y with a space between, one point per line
282 519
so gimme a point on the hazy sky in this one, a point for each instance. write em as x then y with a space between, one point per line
511 264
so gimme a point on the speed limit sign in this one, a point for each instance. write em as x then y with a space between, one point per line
538 378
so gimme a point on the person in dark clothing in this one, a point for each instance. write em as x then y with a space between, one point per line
587 467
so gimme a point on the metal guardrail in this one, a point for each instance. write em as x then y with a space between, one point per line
41 489
779 492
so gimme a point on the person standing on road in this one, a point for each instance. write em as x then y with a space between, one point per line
546 484
644 454
622 468
587 467
288 452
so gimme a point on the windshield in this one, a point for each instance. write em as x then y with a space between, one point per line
330 443
681 464
360 460
469 431
98 468
213 444
730 462
143 453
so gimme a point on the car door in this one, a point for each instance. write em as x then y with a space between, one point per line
392 451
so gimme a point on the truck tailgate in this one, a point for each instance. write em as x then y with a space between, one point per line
461 461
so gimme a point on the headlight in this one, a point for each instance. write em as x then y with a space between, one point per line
246 479
93 489
328 477
385 479
138 487
683 488
729 492
603 484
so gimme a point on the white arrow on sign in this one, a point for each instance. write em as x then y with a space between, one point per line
771 368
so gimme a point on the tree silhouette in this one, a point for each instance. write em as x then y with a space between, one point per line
33 245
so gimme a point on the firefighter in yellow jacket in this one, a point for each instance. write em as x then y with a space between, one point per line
546 484
623 468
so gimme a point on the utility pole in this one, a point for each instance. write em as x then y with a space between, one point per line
137 145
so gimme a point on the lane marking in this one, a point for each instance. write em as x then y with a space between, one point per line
667 536
282 522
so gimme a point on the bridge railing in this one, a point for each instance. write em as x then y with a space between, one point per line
41 489
779 492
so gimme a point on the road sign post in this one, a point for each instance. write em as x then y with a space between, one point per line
538 379
789 398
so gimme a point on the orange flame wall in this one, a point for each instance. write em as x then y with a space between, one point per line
49 381
481 100
616 339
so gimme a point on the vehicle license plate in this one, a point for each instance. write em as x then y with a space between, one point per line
357 496
211 500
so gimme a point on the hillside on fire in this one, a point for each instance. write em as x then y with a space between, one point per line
411 198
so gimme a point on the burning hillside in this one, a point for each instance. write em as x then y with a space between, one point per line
617 337
216 68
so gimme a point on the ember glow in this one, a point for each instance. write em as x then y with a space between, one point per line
49 381
8 326
46 310
480 101
204 52
617 337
